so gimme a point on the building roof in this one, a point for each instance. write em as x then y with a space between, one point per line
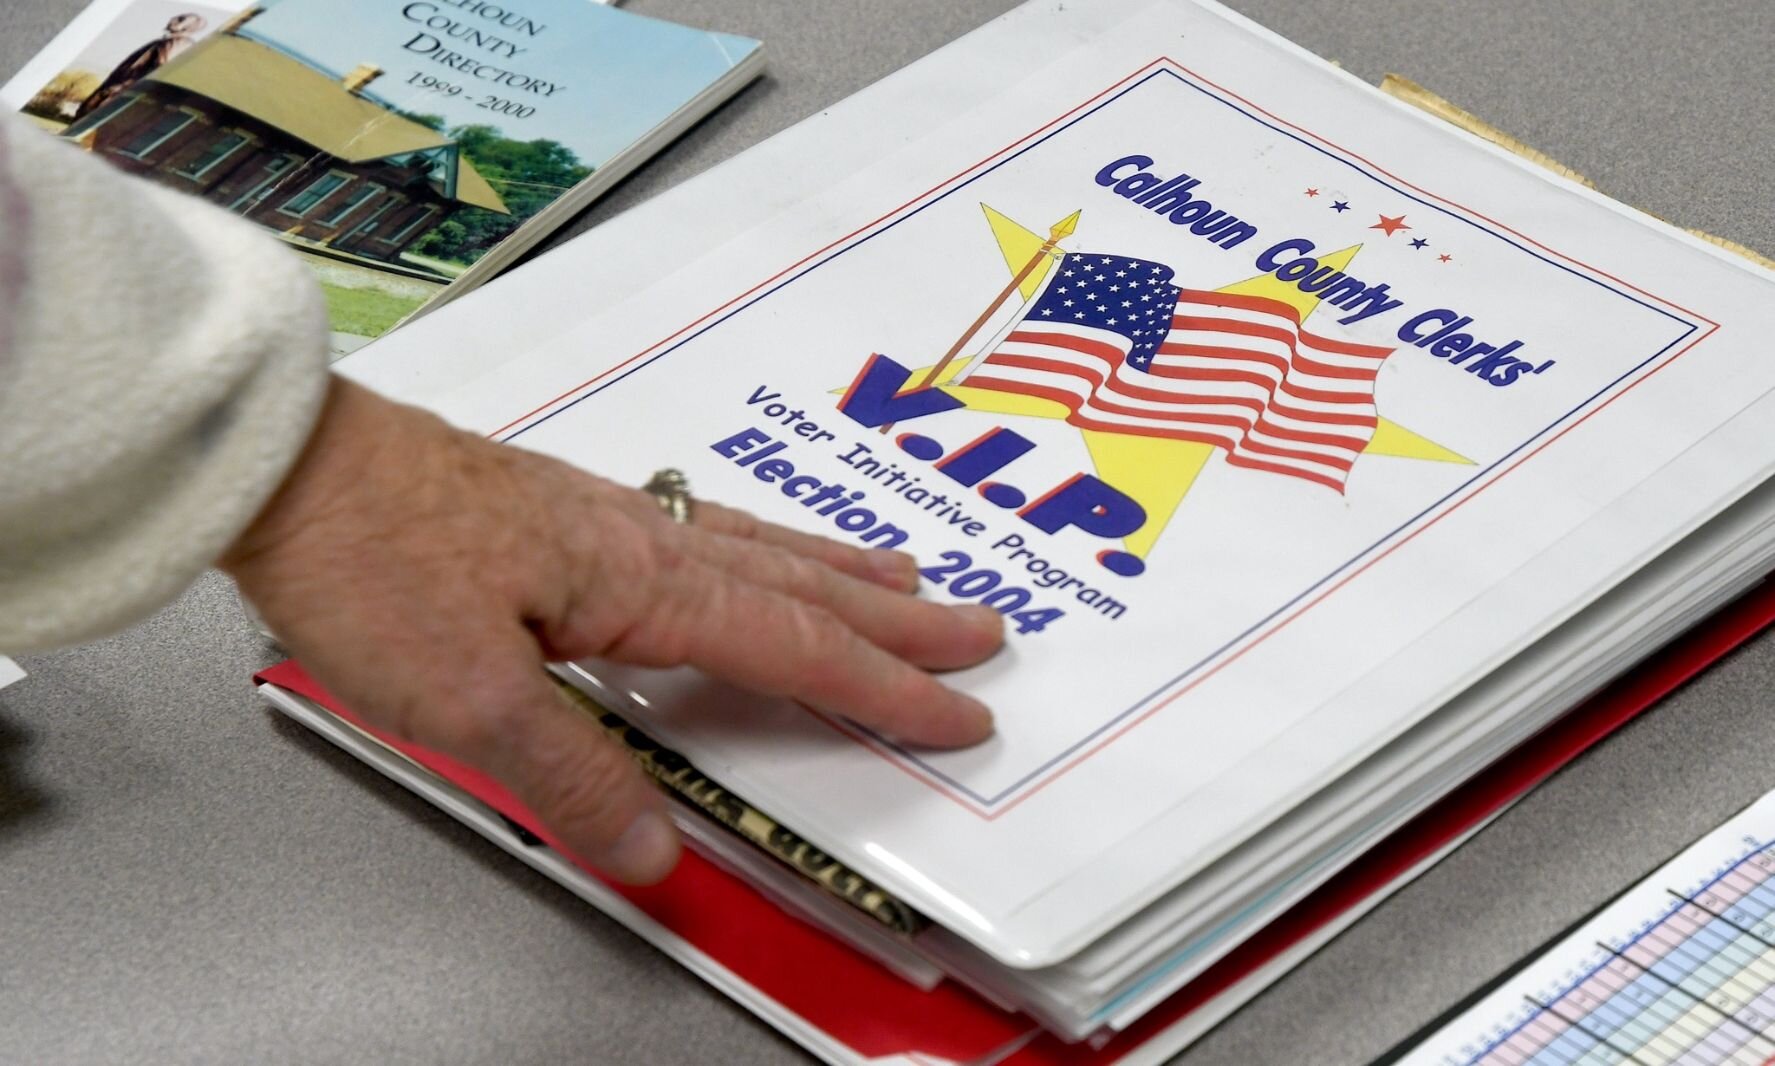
472 189
282 91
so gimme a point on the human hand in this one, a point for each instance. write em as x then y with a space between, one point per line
425 575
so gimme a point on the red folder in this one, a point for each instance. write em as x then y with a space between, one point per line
860 1005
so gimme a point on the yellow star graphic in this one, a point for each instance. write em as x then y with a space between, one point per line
1156 473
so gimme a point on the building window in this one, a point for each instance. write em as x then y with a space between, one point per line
375 218
157 133
220 148
321 188
407 230
357 200
103 116
274 168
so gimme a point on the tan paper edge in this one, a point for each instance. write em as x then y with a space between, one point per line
1416 95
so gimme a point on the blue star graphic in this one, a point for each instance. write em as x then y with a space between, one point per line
1419 242
1130 299
1340 207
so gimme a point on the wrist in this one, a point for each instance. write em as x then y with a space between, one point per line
331 469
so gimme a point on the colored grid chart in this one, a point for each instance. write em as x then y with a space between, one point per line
1681 969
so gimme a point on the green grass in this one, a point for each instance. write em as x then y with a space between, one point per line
442 266
366 312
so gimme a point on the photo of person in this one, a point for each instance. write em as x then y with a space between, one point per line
181 33
142 39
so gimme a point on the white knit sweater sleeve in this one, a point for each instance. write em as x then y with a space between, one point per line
161 366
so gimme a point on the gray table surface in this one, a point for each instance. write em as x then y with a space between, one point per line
186 877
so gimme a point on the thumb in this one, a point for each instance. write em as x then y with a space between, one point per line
561 765
587 789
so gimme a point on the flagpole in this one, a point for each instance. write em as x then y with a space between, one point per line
1061 230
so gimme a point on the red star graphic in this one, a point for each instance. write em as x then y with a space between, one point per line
1312 192
1445 258
1390 225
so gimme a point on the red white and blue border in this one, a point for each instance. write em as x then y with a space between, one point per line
1693 328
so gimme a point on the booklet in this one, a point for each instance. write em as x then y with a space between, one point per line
407 151
1318 453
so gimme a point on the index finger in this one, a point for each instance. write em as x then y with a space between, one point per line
772 643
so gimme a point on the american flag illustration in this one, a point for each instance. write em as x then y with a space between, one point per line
1127 351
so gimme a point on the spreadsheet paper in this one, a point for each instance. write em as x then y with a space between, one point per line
1680 969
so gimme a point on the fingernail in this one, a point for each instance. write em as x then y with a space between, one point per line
986 619
896 570
646 851
982 725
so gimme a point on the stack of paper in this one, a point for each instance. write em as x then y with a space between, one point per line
1318 453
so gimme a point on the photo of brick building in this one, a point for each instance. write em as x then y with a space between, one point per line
404 152
306 153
